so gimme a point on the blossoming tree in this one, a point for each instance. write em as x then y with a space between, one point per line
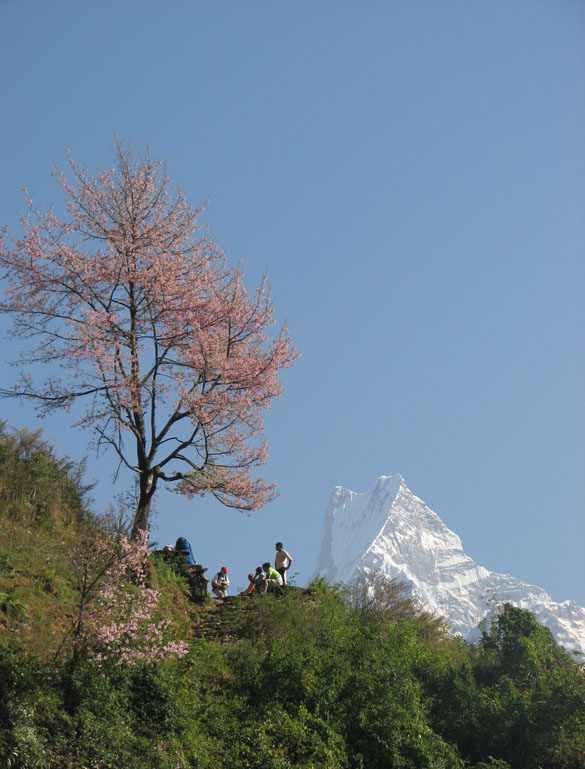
116 613
137 305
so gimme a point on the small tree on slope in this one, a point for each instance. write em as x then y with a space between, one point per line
150 327
116 612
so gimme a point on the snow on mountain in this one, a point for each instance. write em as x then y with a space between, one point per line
389 529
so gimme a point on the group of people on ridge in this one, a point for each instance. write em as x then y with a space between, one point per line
265 578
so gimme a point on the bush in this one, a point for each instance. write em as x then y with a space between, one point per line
36 488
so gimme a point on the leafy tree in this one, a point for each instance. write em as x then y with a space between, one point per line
518 697
532 697
136 304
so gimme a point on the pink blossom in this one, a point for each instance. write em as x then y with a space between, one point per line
152 328
116 618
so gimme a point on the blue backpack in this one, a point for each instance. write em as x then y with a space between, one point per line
182 546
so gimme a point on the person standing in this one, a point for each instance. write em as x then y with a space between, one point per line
282 562
220 583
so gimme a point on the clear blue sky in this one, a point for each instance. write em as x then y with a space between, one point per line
412 175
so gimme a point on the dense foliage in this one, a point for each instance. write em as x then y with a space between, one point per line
316 678
35 486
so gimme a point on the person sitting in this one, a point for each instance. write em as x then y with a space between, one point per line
220 583
182 546
251 585
260 580
257 582
273 580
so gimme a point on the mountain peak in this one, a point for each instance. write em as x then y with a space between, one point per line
390 480
391 530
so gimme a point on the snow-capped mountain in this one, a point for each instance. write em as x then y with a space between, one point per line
389 529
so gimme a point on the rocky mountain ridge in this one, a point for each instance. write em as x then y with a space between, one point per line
391 530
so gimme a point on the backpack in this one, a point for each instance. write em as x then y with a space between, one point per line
182 546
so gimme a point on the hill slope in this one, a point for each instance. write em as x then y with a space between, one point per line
314 678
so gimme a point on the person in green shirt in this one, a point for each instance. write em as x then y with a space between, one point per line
273 578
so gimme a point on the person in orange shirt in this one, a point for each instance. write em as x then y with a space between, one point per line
256 580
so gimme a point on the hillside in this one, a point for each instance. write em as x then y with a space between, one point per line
320 677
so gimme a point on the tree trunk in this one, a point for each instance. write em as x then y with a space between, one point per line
142 514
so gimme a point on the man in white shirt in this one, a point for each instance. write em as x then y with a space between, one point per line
282 562
220 583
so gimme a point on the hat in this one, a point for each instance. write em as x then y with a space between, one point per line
224 569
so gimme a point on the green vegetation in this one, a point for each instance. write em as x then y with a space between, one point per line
321 678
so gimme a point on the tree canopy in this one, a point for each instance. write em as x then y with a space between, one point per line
135 311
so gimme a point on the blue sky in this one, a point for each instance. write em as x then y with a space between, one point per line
412 176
